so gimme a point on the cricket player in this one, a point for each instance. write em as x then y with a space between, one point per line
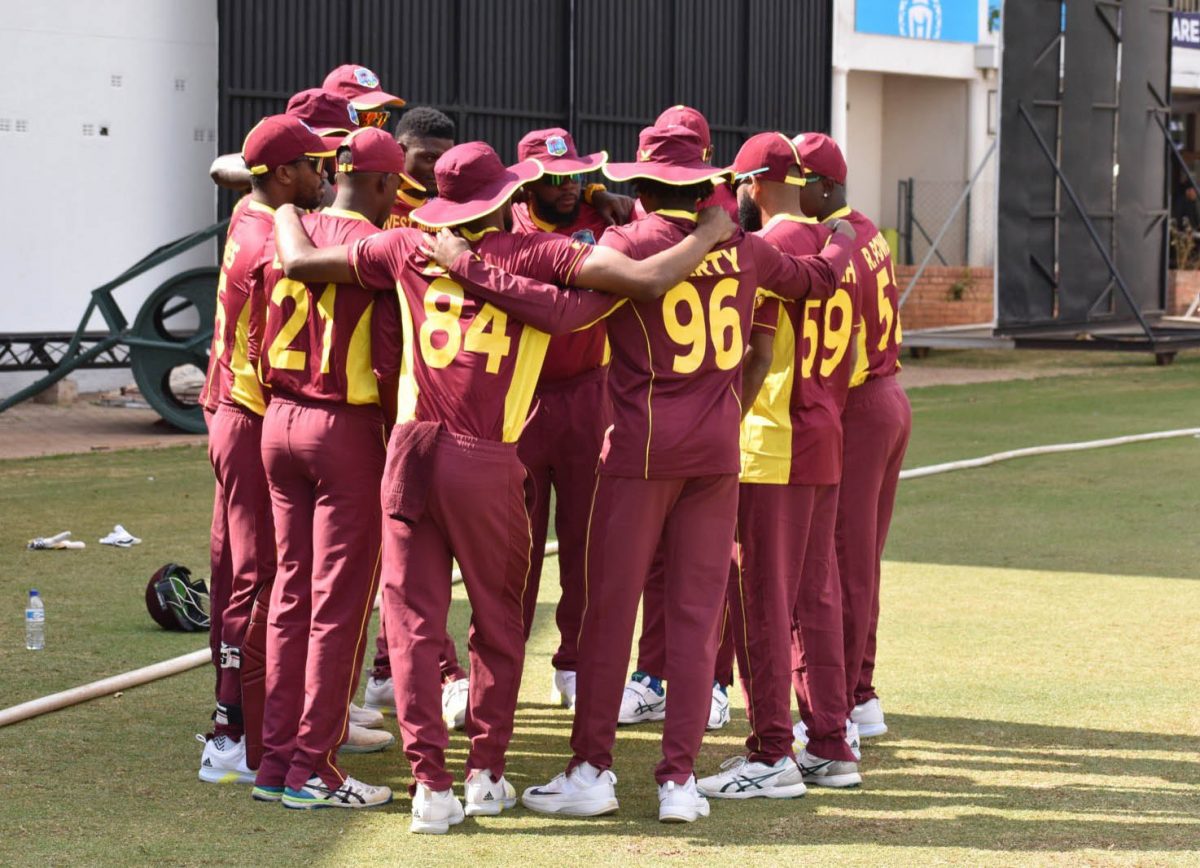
787 505
668 471
468 370
284 157
561 443
876 424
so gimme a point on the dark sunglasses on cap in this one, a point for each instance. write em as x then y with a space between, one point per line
559 180
373 118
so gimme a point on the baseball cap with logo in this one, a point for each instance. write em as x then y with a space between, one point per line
769 157
331 116
359 85
672 155
278 140
686 116
555 150
821 156
373 150
472 183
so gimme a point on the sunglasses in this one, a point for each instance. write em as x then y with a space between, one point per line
317 163
373 118
559 180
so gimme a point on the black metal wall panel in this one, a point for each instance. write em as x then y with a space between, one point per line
500 68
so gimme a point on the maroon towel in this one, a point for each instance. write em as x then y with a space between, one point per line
409 470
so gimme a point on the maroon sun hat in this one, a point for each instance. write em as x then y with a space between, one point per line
686 116
472 183
331 116
821 156
359 85
373 150
769 157
278 140
672 155
555 150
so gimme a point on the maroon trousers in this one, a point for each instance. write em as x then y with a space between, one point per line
220 570
324 463
694 518
818 660
381 668
242 536
475 512
876 423
560 448
652 643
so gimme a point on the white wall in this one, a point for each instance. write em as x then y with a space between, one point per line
83 207
864 146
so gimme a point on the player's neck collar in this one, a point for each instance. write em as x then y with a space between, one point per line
343 212
791 218
679 214
254 205
544 225
473 237
844 211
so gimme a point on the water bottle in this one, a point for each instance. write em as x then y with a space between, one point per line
35 622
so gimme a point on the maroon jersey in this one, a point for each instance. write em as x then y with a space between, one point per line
464 361
793 433
572 354
675 376
231 376
880 336
406 202
316 338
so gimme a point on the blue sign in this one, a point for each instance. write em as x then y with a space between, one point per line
1185 30
943 20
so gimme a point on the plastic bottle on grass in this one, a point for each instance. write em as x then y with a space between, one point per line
35 622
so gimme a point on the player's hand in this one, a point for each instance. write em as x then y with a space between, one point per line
843 227
447 247
716 223
613 207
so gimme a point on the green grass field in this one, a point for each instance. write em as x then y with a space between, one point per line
1038 660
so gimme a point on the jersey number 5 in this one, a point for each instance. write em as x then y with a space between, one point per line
724 327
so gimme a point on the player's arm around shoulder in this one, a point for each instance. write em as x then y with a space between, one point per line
301 259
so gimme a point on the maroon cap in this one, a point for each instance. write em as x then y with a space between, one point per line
686 116
769 157
331 116
373 150
471 183
555 150
359 85
821 156
278 140
672 155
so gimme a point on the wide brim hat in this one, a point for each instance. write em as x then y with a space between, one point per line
671 155
472 182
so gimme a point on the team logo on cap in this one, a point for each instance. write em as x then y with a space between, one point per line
366 78
556 146
644 156
353 113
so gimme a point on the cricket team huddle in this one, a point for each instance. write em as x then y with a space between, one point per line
420 354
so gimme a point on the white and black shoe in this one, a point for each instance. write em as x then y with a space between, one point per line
223 761
741 779
718 709
681 803
455 695
828 773
644 699
585 791
869 717
435 811
562 691
487 797
351 794
380 696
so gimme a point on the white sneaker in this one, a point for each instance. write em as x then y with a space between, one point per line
454 703
585 792
562 692
486 797
120 538
718 710
853 739
828 773
380 696
363 740
799 737
434 812
869 717
681 803
367 718
741 779
351 794
223 761
644 699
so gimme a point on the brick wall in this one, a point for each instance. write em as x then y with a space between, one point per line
946 296
1182 289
